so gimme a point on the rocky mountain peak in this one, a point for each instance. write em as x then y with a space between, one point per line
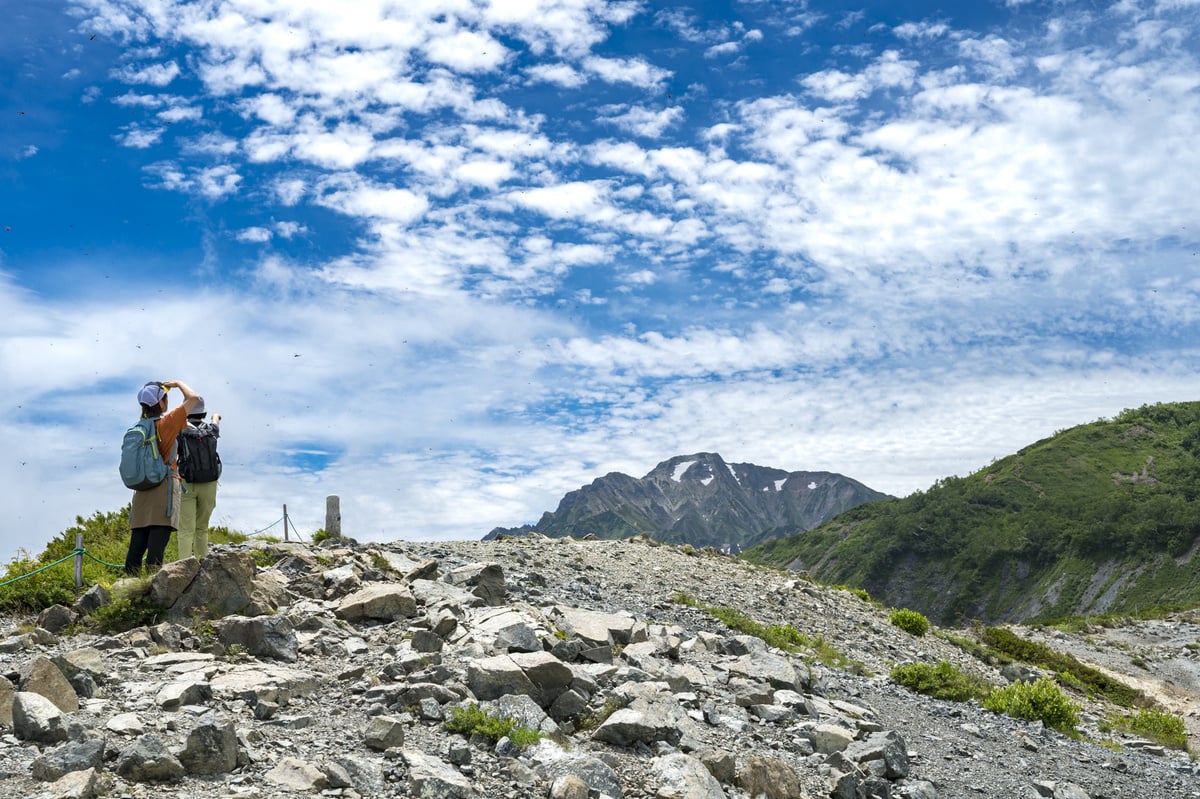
702 500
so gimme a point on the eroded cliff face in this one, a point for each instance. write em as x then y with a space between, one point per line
338 671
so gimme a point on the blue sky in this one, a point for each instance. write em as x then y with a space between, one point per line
452 259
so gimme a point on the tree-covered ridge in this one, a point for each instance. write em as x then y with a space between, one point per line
1109 506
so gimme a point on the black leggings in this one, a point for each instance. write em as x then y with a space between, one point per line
149 541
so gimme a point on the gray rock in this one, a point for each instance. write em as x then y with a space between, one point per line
261 636
43 677
360 773
36 718
686 777
86 660
549 675
518 638
381 602
71 756
644 721
56 618
721 764
484 580
887 747
431 778
568 786
225 584
771 778
148 760
524 711
497 676
92 600
595 628
172 580
384 732
597 775
211 746
293 774
175 695
427 641
7 694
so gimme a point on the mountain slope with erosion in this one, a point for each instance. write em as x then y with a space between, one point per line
1101 518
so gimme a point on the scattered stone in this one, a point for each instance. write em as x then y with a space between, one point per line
36 718
148 760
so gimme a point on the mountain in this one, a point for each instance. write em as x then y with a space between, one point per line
1101 518
703 501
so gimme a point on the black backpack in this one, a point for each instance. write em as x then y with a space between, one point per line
198 458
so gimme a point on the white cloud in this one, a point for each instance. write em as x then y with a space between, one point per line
357 198
254 235
646 122
634 71
561 74
140 138
153 74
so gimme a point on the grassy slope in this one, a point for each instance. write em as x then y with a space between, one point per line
1098 518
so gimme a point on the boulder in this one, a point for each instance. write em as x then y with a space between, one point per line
211 746
293 774
599 777
645 721
685 777
225 585
430 777
71 756
770 778
36 718
261 636
484 580
384 732
381 602
43 677
148 760
497 676
887 747
7 694
56 618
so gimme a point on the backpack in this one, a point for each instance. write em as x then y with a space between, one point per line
142 466
198 458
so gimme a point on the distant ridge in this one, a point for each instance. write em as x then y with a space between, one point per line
701 500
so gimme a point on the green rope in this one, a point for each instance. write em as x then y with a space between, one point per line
101 562
43 568
268 527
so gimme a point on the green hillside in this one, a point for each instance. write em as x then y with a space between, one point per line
1100 518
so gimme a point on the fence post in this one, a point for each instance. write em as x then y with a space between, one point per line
78 560
333 517
285 524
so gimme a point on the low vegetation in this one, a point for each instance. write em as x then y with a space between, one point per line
1040 701
943 681
910 621
1166 729
1093 681
474 720
784 636
32 583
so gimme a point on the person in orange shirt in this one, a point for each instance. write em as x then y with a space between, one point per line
154 514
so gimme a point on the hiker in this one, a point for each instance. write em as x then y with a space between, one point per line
155 511
199 466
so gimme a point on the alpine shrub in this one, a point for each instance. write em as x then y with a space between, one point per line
910 621
1039 701
943 681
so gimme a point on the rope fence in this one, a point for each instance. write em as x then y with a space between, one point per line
80 552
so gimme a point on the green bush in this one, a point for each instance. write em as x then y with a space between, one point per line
943 681
473 719
1040 701
910 621
1159 726
1009 644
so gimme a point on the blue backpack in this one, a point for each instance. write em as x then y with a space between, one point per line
142 466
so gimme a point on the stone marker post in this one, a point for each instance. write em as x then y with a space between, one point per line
333 517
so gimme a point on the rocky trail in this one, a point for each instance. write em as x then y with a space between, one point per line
290 670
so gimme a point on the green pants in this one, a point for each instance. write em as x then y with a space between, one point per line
195 509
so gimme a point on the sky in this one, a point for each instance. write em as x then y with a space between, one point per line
450 259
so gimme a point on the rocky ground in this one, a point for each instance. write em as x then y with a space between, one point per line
330 671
